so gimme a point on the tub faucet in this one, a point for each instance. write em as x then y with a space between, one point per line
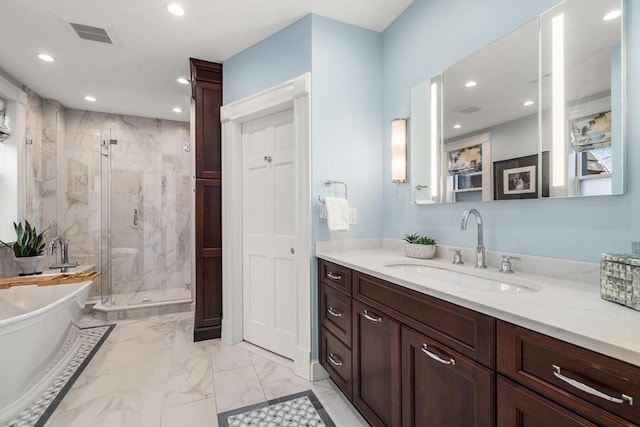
64 264
480 258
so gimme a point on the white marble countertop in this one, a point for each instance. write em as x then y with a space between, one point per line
568 310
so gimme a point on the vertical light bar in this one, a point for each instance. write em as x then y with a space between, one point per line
399 150
434 143
559 135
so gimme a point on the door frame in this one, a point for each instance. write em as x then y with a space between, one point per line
296 94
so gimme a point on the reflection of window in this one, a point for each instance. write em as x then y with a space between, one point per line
5 132
465 176
468 159
595 162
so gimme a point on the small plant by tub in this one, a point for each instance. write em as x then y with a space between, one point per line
419 246
28 248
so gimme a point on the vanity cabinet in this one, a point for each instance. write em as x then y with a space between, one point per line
409 359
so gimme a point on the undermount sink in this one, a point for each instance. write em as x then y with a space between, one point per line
461 279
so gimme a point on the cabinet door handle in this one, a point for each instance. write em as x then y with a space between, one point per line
588 389
333 276
333 359
434 356
370 317
333 312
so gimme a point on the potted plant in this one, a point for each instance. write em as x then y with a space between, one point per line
419 246
28 248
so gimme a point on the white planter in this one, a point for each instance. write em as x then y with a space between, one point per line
28 264
413 250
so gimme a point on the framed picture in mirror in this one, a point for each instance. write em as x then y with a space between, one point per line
518 178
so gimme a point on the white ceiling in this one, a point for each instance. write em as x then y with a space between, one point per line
139 76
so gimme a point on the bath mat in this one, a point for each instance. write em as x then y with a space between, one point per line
300 409
37 414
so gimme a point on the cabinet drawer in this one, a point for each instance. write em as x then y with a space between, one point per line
519 407
579 379
466 331
335 357
335 275
335 313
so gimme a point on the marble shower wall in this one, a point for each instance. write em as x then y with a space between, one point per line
147 170
149 173
45 132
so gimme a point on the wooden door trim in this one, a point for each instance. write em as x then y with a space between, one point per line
294 94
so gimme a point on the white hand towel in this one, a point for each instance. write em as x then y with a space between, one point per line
337 213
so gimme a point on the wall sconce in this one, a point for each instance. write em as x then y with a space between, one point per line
399 150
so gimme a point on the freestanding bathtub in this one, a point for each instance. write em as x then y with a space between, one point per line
38 332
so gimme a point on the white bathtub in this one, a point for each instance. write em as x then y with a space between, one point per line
38 331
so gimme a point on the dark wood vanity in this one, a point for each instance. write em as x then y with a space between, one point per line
404 358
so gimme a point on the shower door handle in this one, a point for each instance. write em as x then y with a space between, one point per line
135 217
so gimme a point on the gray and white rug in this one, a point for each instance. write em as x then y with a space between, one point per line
42 407
300 409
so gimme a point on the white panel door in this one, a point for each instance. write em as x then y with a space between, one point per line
268 196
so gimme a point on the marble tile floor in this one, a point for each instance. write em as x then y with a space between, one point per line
149 373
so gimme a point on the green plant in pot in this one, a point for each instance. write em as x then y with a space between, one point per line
28 248
419 246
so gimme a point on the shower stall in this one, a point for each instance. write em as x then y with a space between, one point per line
118 190
146 214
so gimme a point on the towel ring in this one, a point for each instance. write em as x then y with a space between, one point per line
330 182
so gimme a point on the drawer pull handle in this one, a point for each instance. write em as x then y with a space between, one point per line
333 312
333 359
587 389
434 356
370 317
334 276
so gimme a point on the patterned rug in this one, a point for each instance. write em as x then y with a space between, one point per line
300 409
37 414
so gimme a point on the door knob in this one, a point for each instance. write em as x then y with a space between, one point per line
267 159
293 251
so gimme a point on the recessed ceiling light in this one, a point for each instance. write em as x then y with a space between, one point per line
90 98
177 110
183 81
612 15
45 57
527 103
457 126
470 83
175 9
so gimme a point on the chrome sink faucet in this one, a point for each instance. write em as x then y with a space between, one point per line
64 264
480 257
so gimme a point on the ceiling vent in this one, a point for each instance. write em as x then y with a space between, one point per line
87 32
466 109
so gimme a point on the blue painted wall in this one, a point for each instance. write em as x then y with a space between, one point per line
347 122
431 36
276 59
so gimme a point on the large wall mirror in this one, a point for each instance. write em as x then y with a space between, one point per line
538 113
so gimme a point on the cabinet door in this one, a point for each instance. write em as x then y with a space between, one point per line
519 407
208 316
376 365
206 81
440 387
